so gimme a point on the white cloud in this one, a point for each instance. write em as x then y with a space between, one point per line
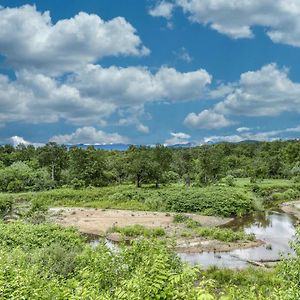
91 95
162 9
243 129
183 54
89 135
136 85
266 92
18 140
36 98
207 119
258 136
29 39
178 138
281 18
142 128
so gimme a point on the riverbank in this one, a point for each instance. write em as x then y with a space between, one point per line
100 222
292 208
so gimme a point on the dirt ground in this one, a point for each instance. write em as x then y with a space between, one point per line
99 221
293 208
198 245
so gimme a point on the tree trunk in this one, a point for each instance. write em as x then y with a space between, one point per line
52 170
138 181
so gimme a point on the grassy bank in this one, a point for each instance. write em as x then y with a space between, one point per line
211 200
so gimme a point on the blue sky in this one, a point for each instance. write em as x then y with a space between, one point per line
145 71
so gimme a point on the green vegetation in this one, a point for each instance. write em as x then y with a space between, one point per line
220 234
49 262
223 234
139 230
211 200
28 169
44 261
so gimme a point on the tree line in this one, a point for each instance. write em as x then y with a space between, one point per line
27 168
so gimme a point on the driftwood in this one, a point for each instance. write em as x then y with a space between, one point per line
256 263
260 263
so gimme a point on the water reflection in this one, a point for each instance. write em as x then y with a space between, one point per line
275 228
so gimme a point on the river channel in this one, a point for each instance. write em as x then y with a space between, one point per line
275 228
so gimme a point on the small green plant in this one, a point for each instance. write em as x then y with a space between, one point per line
269 247
180 218
77 184
223 234
139 230
229 180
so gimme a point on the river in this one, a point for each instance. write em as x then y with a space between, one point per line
275 228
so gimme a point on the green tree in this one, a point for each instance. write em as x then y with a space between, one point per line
55 158
140 165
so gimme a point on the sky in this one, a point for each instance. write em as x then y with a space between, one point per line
148 71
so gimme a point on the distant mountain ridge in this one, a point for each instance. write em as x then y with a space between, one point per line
124 147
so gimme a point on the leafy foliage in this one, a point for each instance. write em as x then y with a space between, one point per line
139 230
55 266
215 200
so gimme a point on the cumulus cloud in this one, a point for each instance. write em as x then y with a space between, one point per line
18 140
89 135
265 92
162 9
56 78
135 85
91 95
207 119
237 18
29 39
178 138
36 98
142 128
256 136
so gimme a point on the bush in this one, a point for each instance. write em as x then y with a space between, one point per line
139 230
15 186
229 180
77 184
6 204
211 201
27 236
180 218
225 235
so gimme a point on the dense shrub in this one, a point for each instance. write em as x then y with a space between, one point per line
27 236
20 177
211 201
47 270
6 203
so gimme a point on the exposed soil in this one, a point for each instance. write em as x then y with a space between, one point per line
292 208
99 221
198 245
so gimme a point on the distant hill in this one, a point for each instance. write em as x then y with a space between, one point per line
116 147
124 147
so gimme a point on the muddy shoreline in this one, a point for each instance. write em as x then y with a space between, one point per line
292 208
98 222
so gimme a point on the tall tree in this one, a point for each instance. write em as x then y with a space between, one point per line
55 158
